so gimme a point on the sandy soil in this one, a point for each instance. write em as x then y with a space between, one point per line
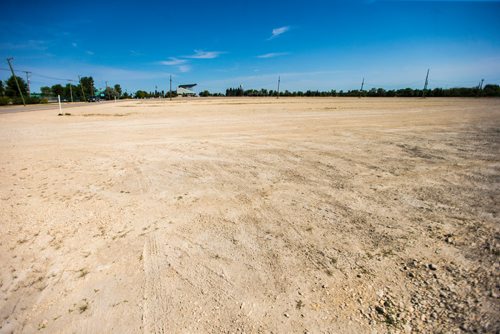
326 215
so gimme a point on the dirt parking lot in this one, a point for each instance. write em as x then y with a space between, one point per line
255 215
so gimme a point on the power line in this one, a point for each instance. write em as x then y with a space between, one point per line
39 75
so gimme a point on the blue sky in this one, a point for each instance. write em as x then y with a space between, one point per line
219 44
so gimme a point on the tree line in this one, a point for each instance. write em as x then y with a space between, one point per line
488 90
85 90
142 94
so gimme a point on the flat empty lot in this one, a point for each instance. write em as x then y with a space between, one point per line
256 215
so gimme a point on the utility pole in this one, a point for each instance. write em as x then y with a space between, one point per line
107 95
480 88
81 86
170 94
279 80
71 89
15 79
362 85
28 82
426 83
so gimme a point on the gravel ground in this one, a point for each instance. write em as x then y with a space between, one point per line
256 215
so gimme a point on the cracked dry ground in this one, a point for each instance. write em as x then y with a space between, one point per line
324 215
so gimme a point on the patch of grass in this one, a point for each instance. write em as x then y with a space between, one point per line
83 272
82 308
299 304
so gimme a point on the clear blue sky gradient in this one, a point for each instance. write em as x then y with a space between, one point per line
219 44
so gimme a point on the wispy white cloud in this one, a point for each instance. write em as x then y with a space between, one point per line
74 45
200 54
279 31
272 55
173 61
135 53
90 53
184 68
28 45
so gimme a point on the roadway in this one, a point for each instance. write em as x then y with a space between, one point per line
48 106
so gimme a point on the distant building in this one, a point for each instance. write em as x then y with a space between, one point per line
186 90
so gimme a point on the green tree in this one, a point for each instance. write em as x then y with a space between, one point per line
11 87
491 90
68 91
58 90
88 86
118 90
46 91
2 89
141 94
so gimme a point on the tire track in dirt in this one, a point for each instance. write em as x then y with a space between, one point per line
155 303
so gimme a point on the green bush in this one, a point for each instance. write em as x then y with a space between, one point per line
17 100
4 100
33 100
44 100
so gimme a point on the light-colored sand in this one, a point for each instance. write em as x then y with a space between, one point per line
251 215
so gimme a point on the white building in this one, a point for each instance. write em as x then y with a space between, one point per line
186 90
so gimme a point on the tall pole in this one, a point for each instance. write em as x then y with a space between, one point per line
81 86
362 85
15 78
107 95
28 82
279 80
71 90
170 88
480 88
426 83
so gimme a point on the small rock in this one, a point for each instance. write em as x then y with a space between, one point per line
431 266
380 309
287 315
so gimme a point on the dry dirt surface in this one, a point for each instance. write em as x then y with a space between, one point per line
299 215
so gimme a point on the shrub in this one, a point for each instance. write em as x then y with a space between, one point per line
17 100
4 100
33 100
